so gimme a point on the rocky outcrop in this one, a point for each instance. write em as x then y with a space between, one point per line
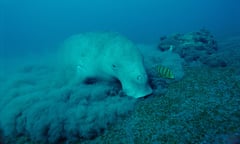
197 46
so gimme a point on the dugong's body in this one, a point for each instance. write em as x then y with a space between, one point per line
106 56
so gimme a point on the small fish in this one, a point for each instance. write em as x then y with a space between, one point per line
164 72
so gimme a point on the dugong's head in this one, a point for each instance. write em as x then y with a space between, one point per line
129 70
122 59
135 81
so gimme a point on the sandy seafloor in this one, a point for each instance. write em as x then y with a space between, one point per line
203 107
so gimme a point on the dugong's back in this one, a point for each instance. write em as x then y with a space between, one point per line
89 46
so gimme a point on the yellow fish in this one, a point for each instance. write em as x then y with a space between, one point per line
164 72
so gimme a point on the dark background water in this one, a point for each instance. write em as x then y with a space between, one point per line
39 25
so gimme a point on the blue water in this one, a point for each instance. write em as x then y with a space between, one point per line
37 25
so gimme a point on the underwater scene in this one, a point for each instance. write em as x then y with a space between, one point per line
119 72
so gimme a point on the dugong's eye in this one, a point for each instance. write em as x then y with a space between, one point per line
114 67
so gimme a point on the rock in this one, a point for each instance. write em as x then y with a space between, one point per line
197 46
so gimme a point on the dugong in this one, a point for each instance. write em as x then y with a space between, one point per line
107 56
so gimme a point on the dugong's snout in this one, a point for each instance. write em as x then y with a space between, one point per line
137 86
